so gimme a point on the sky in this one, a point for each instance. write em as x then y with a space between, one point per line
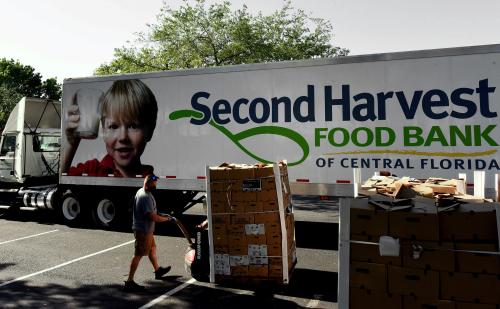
68 38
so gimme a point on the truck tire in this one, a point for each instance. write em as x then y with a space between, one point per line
71 210
105 213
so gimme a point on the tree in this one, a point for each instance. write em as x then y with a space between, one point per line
17 81
8 99
24 80
202 36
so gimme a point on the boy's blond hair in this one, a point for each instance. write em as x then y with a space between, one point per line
133 101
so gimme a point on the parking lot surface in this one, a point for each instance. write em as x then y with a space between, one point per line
46 264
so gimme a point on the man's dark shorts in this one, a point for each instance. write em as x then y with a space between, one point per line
143 243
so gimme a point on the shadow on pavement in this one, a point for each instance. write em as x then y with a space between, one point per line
112 296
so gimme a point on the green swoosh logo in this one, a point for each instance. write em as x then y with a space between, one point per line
236 138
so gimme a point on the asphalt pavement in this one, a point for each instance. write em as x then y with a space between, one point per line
46 264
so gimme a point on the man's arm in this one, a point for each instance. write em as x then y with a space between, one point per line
157 218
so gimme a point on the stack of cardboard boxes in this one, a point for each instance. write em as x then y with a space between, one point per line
448 258
251 220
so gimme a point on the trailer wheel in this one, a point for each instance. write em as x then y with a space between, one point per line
71 210
104 213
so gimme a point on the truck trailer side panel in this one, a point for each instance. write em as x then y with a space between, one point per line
421 114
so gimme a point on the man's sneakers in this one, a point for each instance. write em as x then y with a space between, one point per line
131 286
161 271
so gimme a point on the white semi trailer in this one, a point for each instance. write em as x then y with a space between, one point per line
418 113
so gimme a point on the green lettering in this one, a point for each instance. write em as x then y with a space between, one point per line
318 136
478 135
413 133
466 138
436 135
391 136
345 137
355 137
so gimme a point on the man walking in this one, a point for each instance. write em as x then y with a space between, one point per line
143 226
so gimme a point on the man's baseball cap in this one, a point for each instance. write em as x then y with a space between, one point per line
152 177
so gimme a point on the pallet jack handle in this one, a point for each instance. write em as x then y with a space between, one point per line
181 227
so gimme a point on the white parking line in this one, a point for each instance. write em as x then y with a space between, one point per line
313 303
168 294
5 242
64 264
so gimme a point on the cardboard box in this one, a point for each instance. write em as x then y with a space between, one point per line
221 249
258 260
240 172
273 228
221 219
364 299
369 276
267 217
270 206
264 171
239 271
221 264
236 240
257 239
219 207
238 194
267 196
258 271
238 249
276 270
237 207
461 305
220 236
218 173
239 260
236 229
468 262
420 283
370 253
411 302
273 239
220 197
418 223
268 184
257 250
428 255
275 261
469 222
367 220
221 186
274 249
242 218
254 207
467 287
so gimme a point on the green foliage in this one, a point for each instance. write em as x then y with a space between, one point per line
17 81
8 99
199 35
51 89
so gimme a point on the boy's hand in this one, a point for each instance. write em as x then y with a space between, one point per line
73 116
